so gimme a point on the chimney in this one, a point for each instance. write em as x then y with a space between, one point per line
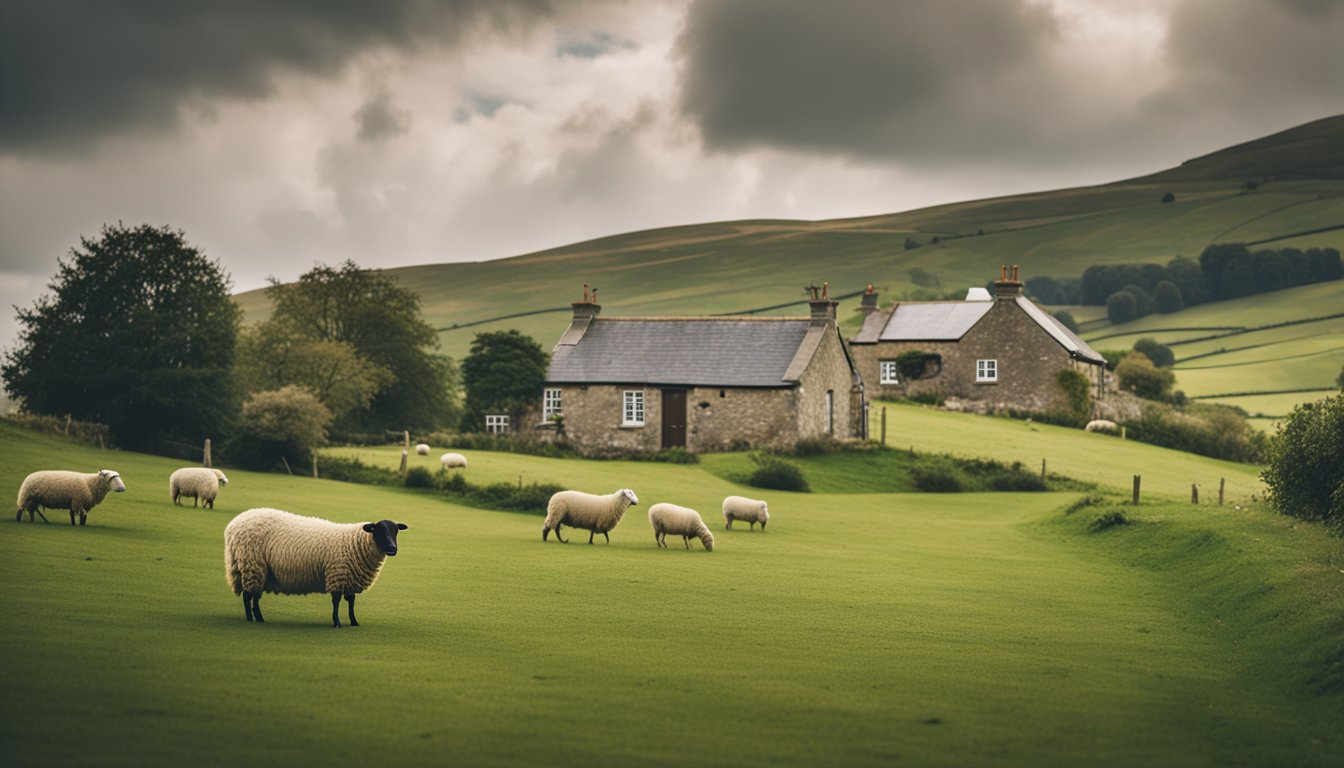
588 308
1008 286
823 309
868 304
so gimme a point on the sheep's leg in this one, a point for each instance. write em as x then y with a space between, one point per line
605 536
252 606
336 610
687 541
591 533
72 517
350 601
83 516
40 514
557 535
753 525
729 526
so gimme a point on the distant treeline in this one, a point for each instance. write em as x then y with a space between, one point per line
1224 271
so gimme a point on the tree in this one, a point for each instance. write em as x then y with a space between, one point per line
138 334
1305 471
383 325
1121 307
1137 374
1167 297
1169 197
279 427
1160 354
503 373
1143 300
271 356
1189 278
1065 317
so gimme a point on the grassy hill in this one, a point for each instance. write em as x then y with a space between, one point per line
985 629
741 266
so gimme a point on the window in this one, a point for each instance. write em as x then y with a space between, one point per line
550 405
887 372
496 423
633 412
986 370
830 412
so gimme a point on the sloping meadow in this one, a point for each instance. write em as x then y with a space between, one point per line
986 629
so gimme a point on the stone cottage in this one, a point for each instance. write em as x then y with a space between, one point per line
996 352
618 384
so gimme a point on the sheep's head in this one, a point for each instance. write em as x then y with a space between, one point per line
630 496
113 479
385 535
707 539
220 476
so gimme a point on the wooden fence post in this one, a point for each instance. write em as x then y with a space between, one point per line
1194 493
1136 489
404 453
314 466
1222 483
1042 471
206 453
884 426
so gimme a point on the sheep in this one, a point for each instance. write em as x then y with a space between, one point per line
421 449
678 521
599 514
277 551
59 489
747 510
1101 425
201 484
449 460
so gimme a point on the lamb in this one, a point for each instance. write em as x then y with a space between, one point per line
421 449
201 484
747 510
59 489
449 460
1101 425
679 521
599 514
276 551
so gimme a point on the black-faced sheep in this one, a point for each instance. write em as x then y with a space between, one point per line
747 510
679 521
598 514
59 489
199 484
275 551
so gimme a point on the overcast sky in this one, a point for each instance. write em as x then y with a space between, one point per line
278 134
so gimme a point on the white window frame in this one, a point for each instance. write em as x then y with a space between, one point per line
632 408
887 372
497 423
987 370
552 404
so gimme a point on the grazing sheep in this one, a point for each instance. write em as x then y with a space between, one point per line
449 460
275 551
599 514
59 489
679 521
421 449
198 483
747 510
1101 425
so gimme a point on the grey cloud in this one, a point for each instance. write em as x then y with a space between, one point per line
75 71
380 118
850 77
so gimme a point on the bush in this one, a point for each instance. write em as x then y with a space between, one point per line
1090 500
355 471
1137 374
1121 307
816 446
1065 318
938 474
419 477
1305 471
1016 478
1169 197
1220 432
1160 354
1167 297
1108 521
1075 392
932 397
777 474
282 426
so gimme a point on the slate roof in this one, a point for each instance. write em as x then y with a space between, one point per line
700 351
1068 339
934 321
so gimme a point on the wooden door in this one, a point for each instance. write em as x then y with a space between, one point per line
674 418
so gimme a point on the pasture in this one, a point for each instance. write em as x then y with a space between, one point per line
865 629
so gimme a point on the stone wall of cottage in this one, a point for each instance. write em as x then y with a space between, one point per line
828 371
1028 360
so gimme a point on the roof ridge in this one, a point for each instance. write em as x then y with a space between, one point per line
715 318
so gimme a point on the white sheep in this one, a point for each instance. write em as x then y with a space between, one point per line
599 514
59 489
1101 425
679 521
747 510
275 551
200 484
450 460
421 449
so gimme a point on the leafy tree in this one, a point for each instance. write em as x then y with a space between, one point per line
1305 471
1169 197
1160 354
382 323
1137 374
271 356
1167 297
1075 391
503 373
1325 264
138 334
1121 307
1189 278
1340 379
281 426
1143 300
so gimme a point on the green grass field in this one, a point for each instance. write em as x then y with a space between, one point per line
864 629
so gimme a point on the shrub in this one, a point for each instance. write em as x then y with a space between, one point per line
1075 394
816 446
1169 197
938 474
1305 471
927 398
777 474
1121 307
1108 521
1156 351
280 426
1016 478
418 477
355 471
1090 500
1137 374
1220 432
1167 297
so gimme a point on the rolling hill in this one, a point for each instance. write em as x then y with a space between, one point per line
759 265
